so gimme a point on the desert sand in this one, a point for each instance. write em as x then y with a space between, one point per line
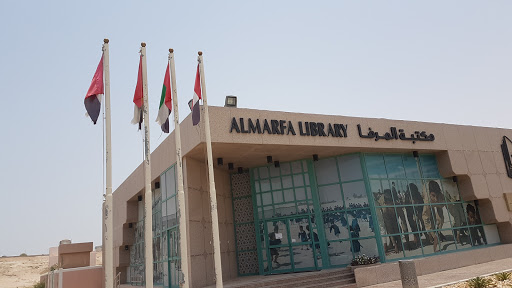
22 271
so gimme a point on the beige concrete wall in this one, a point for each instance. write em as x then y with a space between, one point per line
199 224
83 278
75 255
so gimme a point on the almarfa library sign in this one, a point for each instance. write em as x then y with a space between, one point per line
309 128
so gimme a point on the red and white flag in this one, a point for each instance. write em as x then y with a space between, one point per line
93 97
138 98
196 113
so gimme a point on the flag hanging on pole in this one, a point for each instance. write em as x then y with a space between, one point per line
165 103
196 113
137 98
93 97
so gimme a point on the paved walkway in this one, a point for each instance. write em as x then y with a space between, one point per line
443 278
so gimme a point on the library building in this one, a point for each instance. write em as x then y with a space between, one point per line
307 192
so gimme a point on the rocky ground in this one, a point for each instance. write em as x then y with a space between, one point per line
495 283
20 272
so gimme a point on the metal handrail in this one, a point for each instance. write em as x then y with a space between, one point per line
117 280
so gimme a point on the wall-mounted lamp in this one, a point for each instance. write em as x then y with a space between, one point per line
231 166
126 247
454 178
220 161
269 159
230 101
415 154
191 104
130 225
157 185
276 164
139 197
315 157
240 170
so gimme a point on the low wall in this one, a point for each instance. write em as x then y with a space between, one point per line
387 272
84 277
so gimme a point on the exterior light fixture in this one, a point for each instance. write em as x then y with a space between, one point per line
126 247
157 185
240 170
230 101
130 225
276 164
231 166
415 154
315 157
269 159
190 104
220 161
139 197
454 178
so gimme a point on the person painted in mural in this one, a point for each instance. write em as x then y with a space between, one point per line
335 228
356 245
274 252
457 212
303 237
390 221
399 210
413 196
477 233
434 217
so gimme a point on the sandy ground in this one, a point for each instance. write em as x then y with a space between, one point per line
21 271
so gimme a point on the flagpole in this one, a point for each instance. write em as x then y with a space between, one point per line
148 199
213 196
181 193
109 219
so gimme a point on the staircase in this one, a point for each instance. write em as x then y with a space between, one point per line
332 278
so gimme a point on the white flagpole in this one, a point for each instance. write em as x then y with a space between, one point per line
213 196
148 199
179 167
108 237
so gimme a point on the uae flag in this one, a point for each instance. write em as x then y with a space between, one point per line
93 97
165 103
196 113
137 98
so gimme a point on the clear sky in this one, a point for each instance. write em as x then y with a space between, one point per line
435 61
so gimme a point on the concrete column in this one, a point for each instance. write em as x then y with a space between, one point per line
408 274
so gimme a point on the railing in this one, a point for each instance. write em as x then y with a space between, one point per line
137 280
117 280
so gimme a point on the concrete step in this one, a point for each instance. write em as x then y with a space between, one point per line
305 279
315 280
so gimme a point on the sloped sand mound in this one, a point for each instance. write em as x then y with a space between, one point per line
21 271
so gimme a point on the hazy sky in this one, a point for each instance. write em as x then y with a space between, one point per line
436 61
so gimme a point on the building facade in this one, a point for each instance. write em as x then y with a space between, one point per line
301 192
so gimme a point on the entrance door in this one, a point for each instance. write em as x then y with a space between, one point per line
173 260
289 245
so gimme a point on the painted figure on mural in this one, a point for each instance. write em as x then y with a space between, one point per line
274 252
434 217
477 233
303 237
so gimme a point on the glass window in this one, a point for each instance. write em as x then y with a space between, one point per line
394 166
330 197
375 166
326 171
350 167
411 167
355 194
429 166
296 167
